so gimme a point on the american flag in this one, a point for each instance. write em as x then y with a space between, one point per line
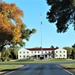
41 18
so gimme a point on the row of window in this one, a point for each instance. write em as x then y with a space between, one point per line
60 55
35 52
28 56
24 56
24 52
60 51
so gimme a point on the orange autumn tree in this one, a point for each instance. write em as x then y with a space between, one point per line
11 25
10 22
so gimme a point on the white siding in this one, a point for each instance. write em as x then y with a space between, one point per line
24 54
60 53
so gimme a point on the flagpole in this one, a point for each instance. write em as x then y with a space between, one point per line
41 30
41 34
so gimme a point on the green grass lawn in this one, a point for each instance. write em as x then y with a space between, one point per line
71 66
9 67
27 61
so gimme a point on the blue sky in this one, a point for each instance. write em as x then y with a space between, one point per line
32 10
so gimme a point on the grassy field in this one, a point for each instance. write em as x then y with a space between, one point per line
45 61
8 67
21 62
69 66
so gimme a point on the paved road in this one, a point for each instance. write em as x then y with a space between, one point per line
40 69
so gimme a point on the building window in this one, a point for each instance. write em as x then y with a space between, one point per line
20 55
56 51
20 52
35 51
23 52
27 56
38 51
60 51
32 52
64 55
60 55
63 51
24 56
27 52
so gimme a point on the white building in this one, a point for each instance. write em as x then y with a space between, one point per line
60 53
44 52
24 54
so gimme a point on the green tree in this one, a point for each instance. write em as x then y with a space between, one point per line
52 46
5 53
14 51
26 33
61 12
57 47
69 51
73 46
73 54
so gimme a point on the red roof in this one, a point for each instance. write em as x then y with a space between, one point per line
38 49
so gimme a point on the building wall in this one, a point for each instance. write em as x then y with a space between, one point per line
38 54
24 54
60 53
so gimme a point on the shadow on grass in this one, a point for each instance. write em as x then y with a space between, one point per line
68 68
8 70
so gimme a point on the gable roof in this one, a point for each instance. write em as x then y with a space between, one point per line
38 49
60 49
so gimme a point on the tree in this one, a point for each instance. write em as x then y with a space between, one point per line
52 46
53 54
61 12
10 22
73 46
57 47
11 26
5 53
14 51
26 33
73 54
